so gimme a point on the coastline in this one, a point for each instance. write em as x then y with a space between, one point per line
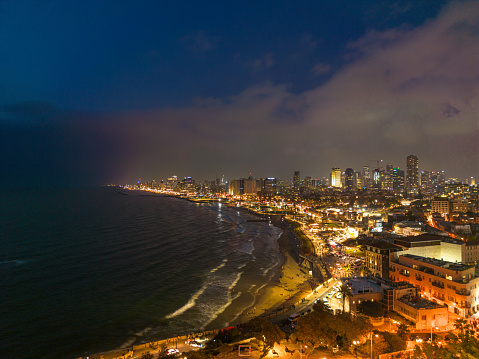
289 283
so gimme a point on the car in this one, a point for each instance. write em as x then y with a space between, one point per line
195 344
172 352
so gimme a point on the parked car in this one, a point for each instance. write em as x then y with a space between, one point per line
195 344
172 352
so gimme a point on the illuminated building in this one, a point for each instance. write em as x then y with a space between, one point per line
412 175
441 205
269 186
349 183
388 177
377 178
451 284
296 181
171 183
366 177
243 186
336 177
426 182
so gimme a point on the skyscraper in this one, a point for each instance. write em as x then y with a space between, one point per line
296 181
412 175
349 183
388 177
398 180
366 177
336 177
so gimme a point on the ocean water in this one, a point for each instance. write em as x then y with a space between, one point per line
89 270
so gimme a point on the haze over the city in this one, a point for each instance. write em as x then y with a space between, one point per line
106 92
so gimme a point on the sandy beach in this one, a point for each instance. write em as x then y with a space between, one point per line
289 283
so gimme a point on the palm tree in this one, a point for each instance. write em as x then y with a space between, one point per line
365 270
403 330
345 291
461 325
349 269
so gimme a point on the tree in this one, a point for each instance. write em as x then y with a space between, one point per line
463 345
461 325
371 308
403 330
349 269
162 352
267 332
324 329
345 292
147 355
365 270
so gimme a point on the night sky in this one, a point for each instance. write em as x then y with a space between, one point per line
96 92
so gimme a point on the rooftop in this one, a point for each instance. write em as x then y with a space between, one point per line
418 302
362 285
440 263
383 245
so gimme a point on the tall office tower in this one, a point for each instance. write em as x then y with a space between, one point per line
398 180
426 180
471 181
388 177
377 178
412 175
438 180
296 181
366 176
269 186
308 184
359 180
349 183
336 177
171 182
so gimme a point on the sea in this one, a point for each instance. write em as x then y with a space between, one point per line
86 270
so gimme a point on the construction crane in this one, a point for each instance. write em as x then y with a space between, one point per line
377 163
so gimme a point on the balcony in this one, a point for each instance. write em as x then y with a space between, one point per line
463 291
438 284
419 278
406 274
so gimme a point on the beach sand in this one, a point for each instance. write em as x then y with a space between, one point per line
288 286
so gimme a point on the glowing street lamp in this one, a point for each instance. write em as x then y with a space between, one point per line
372 344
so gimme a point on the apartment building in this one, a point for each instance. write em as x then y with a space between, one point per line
450 284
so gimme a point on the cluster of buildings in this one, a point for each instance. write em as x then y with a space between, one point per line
430 280
422 266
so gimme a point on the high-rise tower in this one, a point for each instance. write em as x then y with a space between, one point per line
336 177
412 175
296 181
349 183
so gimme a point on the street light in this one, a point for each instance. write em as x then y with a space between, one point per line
372 344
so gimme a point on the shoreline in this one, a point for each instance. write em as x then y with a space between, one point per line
287 285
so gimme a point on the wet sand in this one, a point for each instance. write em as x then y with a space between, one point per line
287 286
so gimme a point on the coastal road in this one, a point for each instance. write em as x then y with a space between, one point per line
320 292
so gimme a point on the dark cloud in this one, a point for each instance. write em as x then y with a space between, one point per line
406 90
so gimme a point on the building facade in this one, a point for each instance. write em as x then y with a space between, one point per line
412 175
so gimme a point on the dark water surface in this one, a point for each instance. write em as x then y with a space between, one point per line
87 270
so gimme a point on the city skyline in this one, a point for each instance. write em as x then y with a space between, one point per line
106 93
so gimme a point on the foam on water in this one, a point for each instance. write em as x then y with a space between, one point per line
191 303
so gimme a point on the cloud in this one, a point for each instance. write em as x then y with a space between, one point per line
404 91
321 68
